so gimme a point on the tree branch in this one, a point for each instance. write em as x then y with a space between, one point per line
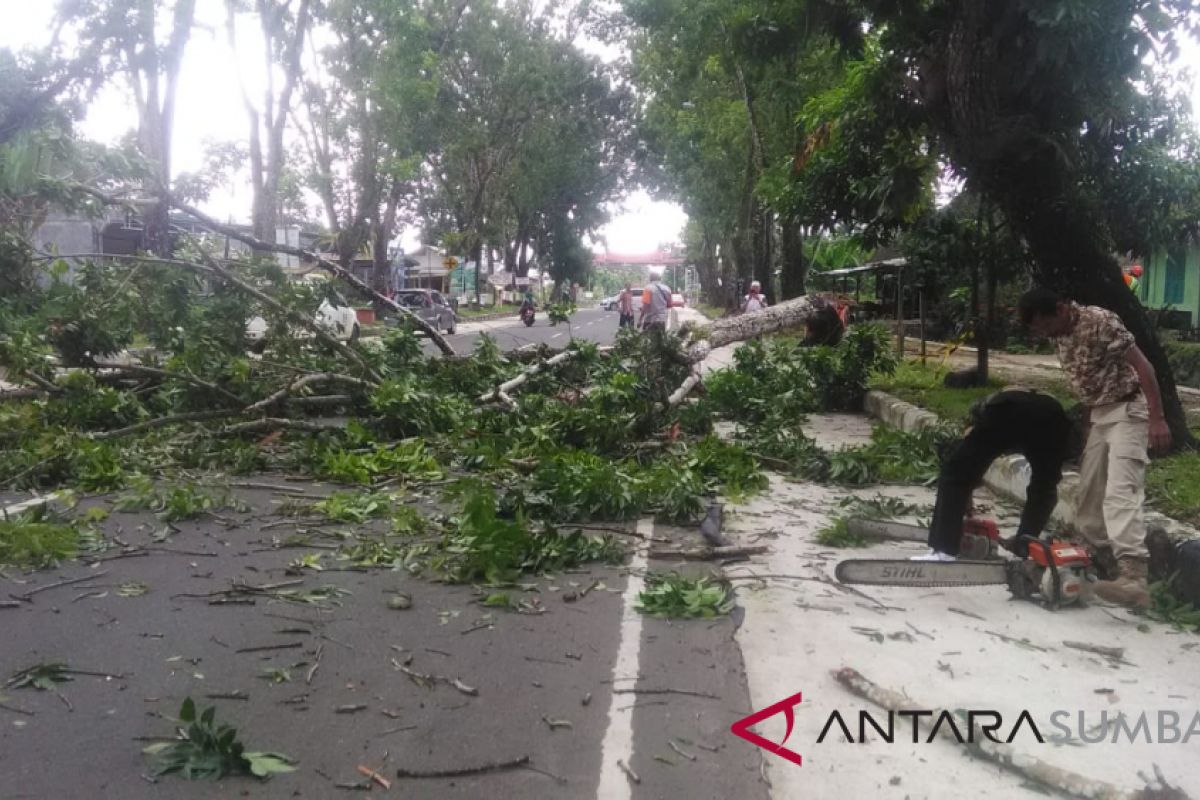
162 422
139 369
311 324
273 423
501 391
212 268
307 380
323 263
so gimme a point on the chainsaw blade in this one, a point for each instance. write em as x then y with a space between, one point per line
902 572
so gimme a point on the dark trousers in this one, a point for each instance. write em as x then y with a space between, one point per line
625 321
965 468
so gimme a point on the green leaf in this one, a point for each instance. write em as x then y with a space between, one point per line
266 764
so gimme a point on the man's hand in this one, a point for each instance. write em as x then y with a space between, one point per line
1160 434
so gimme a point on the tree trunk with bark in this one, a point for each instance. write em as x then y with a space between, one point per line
154 76
791 252
700 340
764 262
267 124
706 271
1005 156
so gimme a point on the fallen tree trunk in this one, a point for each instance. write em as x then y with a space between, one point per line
1061 780
700 340
324 263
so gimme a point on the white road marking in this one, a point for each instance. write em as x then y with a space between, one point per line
555 336
618 737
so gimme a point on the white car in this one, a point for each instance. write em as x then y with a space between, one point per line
334 315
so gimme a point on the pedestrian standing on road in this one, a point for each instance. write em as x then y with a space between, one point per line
754 301
1124 418
625 306
656 304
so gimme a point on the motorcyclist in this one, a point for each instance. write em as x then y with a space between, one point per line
527 302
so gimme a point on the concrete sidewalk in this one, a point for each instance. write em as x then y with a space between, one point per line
988 653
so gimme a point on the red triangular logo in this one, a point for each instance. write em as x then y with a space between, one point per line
742 728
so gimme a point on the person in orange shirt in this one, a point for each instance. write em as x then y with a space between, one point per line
625 306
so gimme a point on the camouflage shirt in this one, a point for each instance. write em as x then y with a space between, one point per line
1093 357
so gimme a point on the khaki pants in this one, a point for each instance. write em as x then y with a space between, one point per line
1112 478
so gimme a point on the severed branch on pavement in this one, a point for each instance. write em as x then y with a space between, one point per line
1069 783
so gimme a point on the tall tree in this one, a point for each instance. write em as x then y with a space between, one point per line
145 41
368 120
726 81
284 25
1046 108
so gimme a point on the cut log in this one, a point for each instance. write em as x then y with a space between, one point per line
700 340
1061 780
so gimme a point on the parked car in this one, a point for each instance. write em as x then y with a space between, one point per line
677 300
431 306
334 315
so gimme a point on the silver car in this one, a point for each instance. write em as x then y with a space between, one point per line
430 306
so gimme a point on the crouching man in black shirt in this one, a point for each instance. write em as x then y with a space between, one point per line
1011 421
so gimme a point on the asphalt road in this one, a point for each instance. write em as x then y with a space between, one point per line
510 334
575 684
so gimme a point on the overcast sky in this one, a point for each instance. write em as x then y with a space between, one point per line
210 108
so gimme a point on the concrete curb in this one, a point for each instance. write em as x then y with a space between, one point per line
1009 475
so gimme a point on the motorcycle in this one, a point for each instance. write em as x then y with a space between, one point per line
527 316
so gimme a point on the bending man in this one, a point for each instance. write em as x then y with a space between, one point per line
1010 421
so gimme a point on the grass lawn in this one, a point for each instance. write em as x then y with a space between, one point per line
921 385
467 312
1173 486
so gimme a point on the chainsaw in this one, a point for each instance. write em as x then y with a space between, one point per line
1056 572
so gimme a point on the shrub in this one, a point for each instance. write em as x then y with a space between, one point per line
1184 358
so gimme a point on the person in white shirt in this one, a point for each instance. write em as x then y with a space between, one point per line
754 301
